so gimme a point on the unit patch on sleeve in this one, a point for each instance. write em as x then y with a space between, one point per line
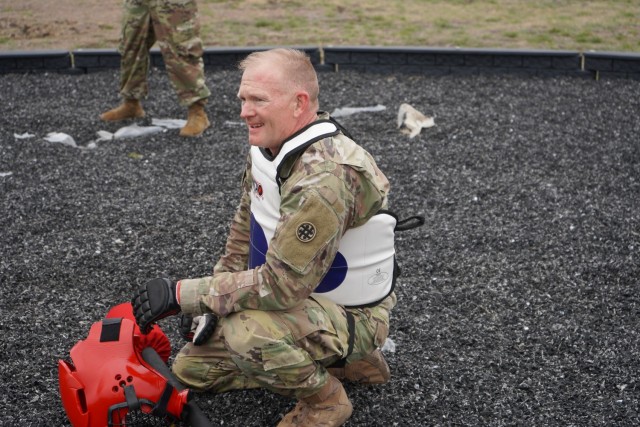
306 233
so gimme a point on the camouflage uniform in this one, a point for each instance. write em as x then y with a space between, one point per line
174 24
271 333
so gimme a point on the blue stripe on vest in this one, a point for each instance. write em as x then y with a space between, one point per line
258 256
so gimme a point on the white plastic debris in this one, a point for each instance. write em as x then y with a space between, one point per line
412 121
347 111
169 123
232 123
103 135
389 346
3 174
134 131
25 135
60 138
131 131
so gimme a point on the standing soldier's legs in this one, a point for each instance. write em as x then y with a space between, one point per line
136 39
177 29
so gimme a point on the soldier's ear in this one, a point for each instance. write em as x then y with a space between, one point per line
301 102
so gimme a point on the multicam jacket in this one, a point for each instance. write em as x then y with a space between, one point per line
334 185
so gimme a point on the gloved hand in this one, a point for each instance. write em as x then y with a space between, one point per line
154 300
186 327
197 329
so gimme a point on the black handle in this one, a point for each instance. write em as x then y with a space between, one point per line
194 415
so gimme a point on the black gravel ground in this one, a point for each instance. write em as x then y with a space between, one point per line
518 303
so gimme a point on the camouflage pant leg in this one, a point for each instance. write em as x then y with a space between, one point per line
372 327
136 39
284 351
177 30
272 350
209 367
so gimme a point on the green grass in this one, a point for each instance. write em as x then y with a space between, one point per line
517 24
545 24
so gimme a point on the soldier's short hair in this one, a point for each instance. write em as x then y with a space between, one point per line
295 63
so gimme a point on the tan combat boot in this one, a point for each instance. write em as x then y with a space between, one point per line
197 120
371 369
129 109
330 407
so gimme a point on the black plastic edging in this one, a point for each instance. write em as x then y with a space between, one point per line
374 59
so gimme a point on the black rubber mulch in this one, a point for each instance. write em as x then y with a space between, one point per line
518 303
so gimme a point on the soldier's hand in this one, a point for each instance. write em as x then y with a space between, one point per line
197 329
154 300
186 327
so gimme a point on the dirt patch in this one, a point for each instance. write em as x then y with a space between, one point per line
74 24
49 24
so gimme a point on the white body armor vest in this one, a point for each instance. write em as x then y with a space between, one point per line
362 272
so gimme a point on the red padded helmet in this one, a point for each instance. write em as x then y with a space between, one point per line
108 383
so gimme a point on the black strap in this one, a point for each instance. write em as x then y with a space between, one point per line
409 223
160 410
342 128
295 153
414 221
351 328
132 400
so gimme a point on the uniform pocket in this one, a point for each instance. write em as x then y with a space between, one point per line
280 355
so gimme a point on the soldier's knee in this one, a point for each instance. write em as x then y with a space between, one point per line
252 329
189 371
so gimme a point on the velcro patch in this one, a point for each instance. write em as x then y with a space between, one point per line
306 233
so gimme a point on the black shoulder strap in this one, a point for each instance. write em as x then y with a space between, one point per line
293 155
342 128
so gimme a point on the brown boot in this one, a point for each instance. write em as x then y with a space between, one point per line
371 369
330 407
197 120
129 109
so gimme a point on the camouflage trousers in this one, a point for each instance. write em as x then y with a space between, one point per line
282 351
174 25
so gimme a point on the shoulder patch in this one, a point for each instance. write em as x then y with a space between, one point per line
306 233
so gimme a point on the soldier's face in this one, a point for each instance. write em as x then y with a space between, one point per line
268 106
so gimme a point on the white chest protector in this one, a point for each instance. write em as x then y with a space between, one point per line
363 271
